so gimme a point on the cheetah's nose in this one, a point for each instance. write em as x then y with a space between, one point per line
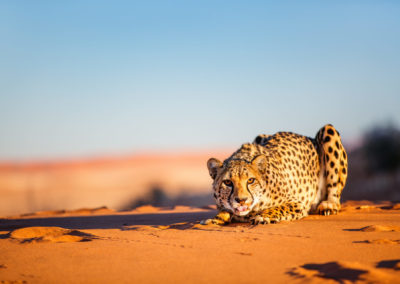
240 200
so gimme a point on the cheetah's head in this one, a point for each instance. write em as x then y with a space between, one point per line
238 185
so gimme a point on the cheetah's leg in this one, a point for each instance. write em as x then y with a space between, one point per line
222 218
333 161
287 211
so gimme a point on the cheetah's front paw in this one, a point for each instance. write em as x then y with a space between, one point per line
328 207
258 219
213 221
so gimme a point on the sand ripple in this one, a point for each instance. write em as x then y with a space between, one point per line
49 234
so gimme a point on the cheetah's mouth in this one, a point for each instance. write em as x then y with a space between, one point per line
242 210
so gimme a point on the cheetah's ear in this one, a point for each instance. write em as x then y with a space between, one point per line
213 166
260 162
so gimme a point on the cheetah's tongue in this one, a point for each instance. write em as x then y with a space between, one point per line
242 208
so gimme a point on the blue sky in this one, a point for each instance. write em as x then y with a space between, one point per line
89 78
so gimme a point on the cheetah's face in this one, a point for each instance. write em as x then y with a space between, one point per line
238 185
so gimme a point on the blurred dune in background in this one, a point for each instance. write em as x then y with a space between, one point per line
118 183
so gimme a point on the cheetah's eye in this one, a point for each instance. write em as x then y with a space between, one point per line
251 180
227 182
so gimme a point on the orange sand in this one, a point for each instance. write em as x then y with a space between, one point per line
153 245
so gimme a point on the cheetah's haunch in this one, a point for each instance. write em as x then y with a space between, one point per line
278 177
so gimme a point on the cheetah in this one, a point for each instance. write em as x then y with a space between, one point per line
284 176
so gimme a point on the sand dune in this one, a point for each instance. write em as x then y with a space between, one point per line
168 245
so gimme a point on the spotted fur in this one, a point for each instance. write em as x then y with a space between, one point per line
278 177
